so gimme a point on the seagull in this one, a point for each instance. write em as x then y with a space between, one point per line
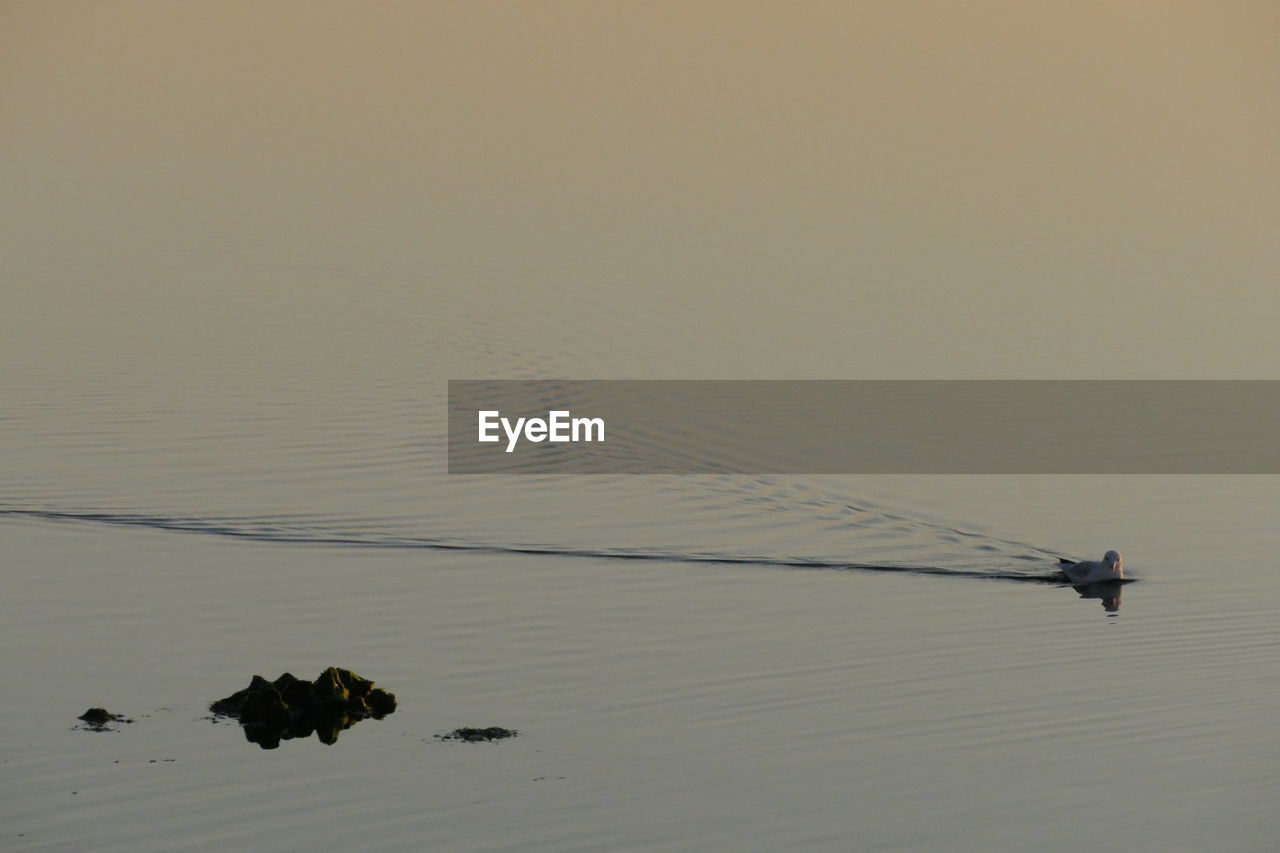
1109 568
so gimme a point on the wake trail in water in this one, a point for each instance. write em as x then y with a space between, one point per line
310 531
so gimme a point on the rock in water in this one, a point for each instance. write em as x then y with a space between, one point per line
100 719
474 735
289 707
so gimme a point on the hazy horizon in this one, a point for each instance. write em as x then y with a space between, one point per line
818 190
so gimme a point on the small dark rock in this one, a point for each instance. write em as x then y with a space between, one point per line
100 719
470 735
97 716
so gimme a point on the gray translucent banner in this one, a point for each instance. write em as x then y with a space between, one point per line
864 427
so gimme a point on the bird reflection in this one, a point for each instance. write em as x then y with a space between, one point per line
1107 591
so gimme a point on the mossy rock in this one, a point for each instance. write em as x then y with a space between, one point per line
289 707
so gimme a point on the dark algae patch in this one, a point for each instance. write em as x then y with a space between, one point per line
469 735
100 720
288 708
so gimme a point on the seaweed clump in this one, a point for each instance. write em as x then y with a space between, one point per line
470 735
288 708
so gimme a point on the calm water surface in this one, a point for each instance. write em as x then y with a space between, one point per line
791 662
662 705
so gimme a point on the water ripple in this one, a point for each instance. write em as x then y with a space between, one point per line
286 530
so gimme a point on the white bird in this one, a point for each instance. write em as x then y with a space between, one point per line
1109 568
